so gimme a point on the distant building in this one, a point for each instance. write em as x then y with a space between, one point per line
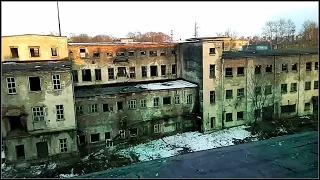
228 43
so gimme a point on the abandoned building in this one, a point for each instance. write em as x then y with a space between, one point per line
236 88
38 117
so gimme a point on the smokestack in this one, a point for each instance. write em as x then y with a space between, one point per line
59 18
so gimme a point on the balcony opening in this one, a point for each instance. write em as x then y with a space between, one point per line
35 83
16 124
20 152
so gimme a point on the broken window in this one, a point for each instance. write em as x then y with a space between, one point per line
257 69
177 99
94 137
63 145
240 92
269 69
153 53
229 94
307 85
240 115
166 100
240 71
162 53
308 66
130 53
75 76
105 107
284 88
34 51
93 108
189 98
97 72
14 52
156 102
228 117
110 73
107 135
288 108
143 53
228 72
173 52
15 123
133 132
132 104
35 84
257 113
154 71
96 55
212 97
316 64
119 105
11 84
212 122
121 54
212 71
212 51
293 87
86 75
122 72
79 110
143 71
38 114
173 69
143 103
163 70
54 51
122 134
315 85
60 113
257 91
20 151
158 128
294 67
284 67
268 90
132 72
307 106
56 81
82 139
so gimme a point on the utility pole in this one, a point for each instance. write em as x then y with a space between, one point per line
171 36
196 30
58 18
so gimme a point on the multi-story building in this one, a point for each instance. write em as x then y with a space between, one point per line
236 88
38 118
227 43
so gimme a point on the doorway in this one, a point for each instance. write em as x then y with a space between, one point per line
42 149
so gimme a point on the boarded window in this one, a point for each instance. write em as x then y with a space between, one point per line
11 84
110 73
86 75
228 72
166 100
14 52
229 117
35 84
288 108
229 94
163 70
98 74
34 52
143 71
54 51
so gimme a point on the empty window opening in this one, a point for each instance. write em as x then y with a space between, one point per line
293 87
166 100
122 134
130 53
60 112
121 54
133 132
82 139
315 85
143 53
229 117
75 76
284 88
189 98
56 81
119 105
86 75
16 124
82 50
173 52
257 113
132 104
96 55
269 69
63 145
54 51
143 71
228 72
34 52
316 65
212 122
257 91
212 97
229 94
308 66
307 106
163 70
240 115
105 107
177 99
107 135
38 114
294 67
154 71
257 69
14 52
153 53
94 108
132 71
173 69
95 137
122 72
240 92
240 71
20 151
143 103
212 71
156 102
284 67
11 84
35 84
79 110
212 51
98 74
307 86
110 73
288 108
268 90
162 53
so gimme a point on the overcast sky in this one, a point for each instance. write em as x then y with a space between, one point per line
119 18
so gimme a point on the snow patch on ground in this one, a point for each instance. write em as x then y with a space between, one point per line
194 141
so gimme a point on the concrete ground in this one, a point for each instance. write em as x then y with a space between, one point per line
290 156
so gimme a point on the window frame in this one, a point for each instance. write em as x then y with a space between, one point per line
11 83
56 82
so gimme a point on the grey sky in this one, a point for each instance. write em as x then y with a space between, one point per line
118 18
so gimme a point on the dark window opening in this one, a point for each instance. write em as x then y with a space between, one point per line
133 131
110 73
163 70
240 71
34 52
35 83
308 66
307 86
132 72
95 137
120 105
75 76
212 51
288 108
166 100
143 71
212 122
240 115
173 52
257 70
212 71
15 123
82 50
257 113
54 51
86 75
79 110
307 106
174 69
293 87
98 74
316 65
130 53
228 117
268 90
82 139
284 88
315 85
284 67
143 53
122 72
162 53
121 54
20 151
269 69
257 91
105 107
14 53
228 94
107 135
294 67
153 71
228 72
153 53
96 55
212 97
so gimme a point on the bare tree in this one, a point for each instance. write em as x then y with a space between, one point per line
309 33
102 38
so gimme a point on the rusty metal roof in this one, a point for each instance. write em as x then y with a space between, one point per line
36 65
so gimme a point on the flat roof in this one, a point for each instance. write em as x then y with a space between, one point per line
34 35
81 92
36 65
115 43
